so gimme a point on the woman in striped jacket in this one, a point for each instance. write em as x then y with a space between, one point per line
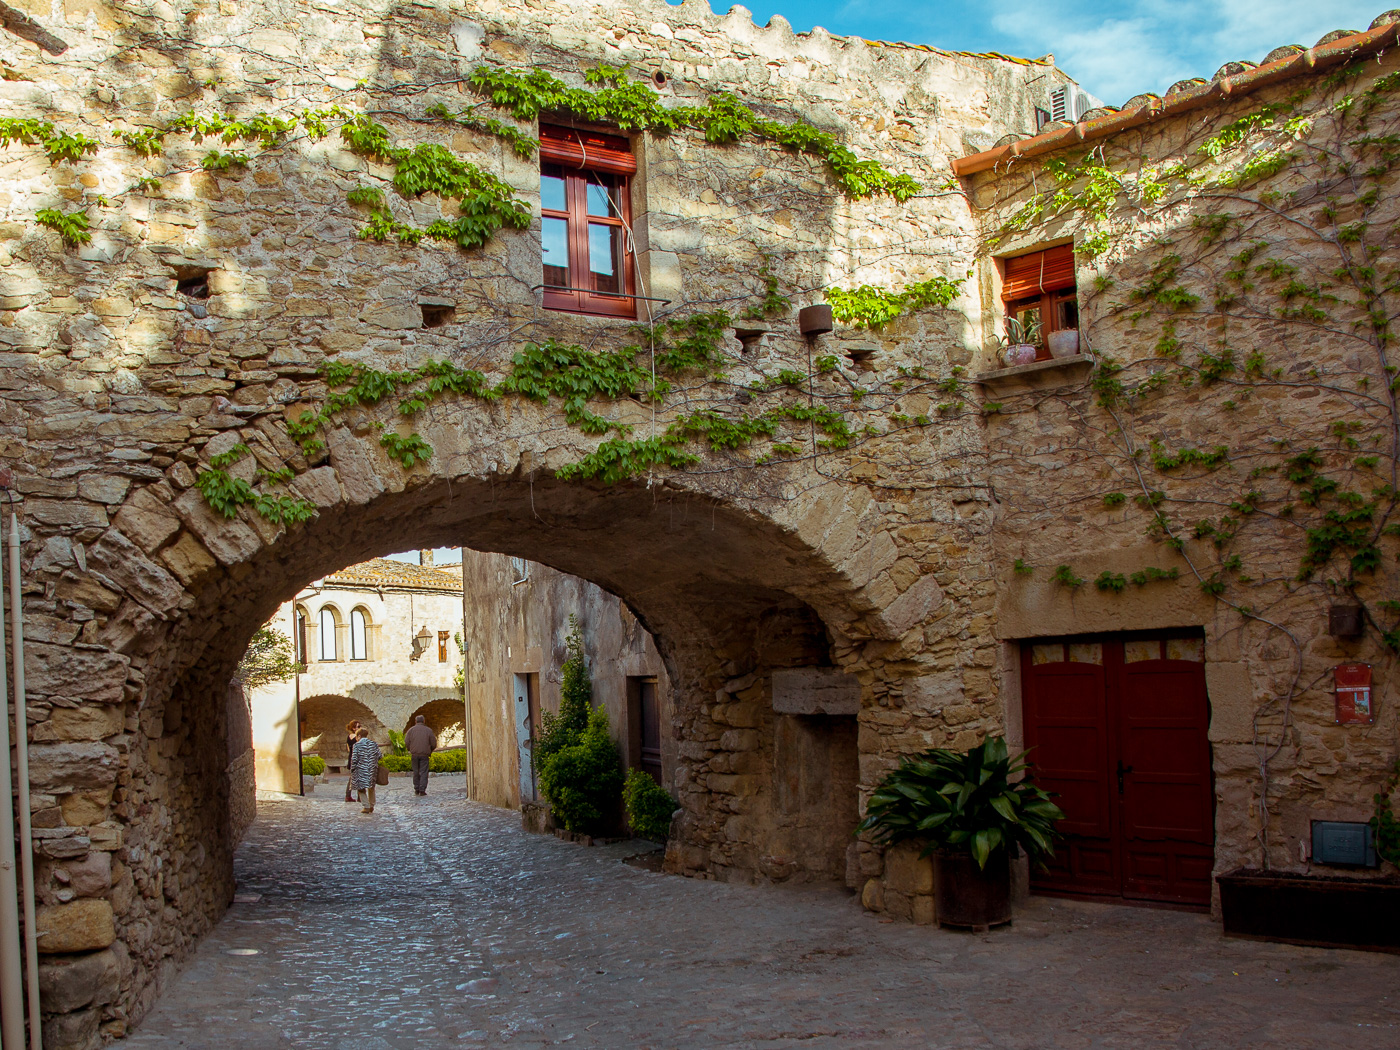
364 763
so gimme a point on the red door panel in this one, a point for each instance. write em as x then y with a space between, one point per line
1067 730
1167 802
1124 748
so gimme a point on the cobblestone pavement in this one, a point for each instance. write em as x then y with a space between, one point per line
470 933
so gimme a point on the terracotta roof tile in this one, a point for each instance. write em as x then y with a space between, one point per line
385 572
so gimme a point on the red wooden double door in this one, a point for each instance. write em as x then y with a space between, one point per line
1118 727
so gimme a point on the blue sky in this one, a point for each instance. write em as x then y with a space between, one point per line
1114 49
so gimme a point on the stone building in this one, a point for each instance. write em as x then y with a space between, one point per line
517 616
250 336
379 641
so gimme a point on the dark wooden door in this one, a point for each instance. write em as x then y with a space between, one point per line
649 714
1118 727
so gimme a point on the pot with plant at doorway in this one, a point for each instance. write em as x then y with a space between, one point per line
972 818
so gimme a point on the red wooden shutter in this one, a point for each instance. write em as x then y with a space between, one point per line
586 149
1038 273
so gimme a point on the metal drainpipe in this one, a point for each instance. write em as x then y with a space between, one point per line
11 965
26 838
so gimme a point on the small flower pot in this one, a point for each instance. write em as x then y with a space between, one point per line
1064 343
1018 354
970 897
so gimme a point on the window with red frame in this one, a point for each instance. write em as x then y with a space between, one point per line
1038 289
586 242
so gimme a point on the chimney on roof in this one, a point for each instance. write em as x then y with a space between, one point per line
425 558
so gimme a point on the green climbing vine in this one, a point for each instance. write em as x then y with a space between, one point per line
612 97
871 307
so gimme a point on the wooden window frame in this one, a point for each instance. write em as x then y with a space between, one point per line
581 152
1054 293
442 645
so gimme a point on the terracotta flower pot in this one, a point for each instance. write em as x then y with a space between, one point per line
1064 343
968 896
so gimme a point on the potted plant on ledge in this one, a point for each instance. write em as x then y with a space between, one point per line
972 818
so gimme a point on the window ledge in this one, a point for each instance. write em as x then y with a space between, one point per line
1038 372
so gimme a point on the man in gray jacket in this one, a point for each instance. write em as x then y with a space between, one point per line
420 741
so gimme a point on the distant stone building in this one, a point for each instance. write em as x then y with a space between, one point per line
517 616
378 640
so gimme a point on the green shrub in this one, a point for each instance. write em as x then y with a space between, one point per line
396 743
397 763
312 765
581 780
448 762
649 806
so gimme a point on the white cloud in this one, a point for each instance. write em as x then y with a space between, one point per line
1119 49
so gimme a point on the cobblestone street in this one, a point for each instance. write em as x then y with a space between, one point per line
437 922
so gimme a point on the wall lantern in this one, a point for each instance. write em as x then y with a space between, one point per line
421 641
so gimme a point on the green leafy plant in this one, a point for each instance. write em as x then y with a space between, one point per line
396 743
1020 568
397 763
649 806
575 701
964 800
1065 576
581 779
454 761
72 227
269 658
872 307
1384 823
312 765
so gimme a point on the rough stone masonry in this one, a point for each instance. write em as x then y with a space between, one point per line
198 319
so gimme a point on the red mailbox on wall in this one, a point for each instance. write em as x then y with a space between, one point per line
1353 690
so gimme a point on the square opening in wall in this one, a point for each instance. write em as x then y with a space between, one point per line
437 312
193 286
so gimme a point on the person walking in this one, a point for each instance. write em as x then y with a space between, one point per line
352 729
364 765
421 741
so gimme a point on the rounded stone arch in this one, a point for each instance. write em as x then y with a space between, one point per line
446 717
734 581
323 722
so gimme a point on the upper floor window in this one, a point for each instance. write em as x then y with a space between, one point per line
327 634
1038 290
300 639
442 645
359 649
586 229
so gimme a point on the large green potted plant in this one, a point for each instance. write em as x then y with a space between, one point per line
972 818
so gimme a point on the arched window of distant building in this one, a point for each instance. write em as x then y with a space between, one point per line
327 634
359 649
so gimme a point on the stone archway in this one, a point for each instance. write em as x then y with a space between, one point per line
732 587
323 720
446 717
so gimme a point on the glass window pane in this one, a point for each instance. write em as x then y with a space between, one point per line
357 635
603 196
552 188
605 257
327 635
554 236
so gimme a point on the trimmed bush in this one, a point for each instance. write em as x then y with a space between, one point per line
397 763
448 761
649 806
581 780
312 765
